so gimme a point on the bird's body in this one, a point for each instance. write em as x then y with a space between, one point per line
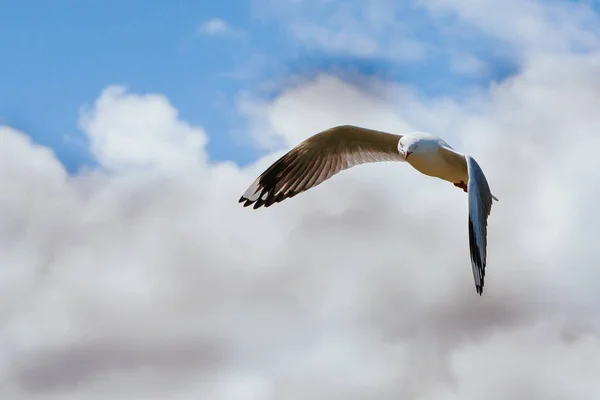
436 158
329 152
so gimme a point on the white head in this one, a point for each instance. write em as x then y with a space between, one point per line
417 142
408 145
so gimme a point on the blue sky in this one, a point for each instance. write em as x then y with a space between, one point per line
59 55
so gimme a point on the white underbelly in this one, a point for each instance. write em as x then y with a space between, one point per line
437 167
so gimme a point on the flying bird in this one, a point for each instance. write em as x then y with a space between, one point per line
333 150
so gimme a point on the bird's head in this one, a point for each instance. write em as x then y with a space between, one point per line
408 145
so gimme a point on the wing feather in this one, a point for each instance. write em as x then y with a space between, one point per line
317 159
480 206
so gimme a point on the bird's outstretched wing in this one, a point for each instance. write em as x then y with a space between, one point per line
317 159
480 206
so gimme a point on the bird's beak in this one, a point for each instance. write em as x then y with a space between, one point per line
406 154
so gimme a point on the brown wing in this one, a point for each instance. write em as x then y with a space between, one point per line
317 159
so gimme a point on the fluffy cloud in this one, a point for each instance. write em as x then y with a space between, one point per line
140 131
162 285
283 122
145 279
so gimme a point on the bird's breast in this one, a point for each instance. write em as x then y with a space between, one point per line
433 164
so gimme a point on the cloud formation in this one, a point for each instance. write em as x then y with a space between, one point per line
145 279
374 29
527 25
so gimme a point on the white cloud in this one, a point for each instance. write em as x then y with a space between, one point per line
528 25
416 30
217 27
284 121
126 286
140 131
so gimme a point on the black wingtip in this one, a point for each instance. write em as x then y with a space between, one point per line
245 201
479 289
254 203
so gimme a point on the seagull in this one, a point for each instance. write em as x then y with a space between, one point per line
333 150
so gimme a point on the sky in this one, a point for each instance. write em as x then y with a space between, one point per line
128 132
203 56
